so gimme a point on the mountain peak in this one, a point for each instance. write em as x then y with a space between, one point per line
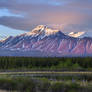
42 30
41 26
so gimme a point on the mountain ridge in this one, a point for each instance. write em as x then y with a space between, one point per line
48 41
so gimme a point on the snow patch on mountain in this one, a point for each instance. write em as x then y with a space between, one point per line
76 34
42 29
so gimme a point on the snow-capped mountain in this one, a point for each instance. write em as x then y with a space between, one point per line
76 34
42 29
43 41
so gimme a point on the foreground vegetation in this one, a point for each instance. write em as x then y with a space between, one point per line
27 84
45 74
56 64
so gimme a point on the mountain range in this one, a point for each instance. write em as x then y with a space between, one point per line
46 42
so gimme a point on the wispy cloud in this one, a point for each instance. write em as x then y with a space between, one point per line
6 12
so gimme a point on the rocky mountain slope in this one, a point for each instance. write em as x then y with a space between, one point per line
43 41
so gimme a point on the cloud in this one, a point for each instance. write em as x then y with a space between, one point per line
71 13
6 12
16 23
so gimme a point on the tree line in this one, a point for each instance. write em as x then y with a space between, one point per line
32 63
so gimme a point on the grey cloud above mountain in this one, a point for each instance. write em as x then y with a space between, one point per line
69 12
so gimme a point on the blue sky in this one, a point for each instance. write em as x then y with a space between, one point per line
20 16
6 32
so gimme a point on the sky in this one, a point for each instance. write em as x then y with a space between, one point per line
20 16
